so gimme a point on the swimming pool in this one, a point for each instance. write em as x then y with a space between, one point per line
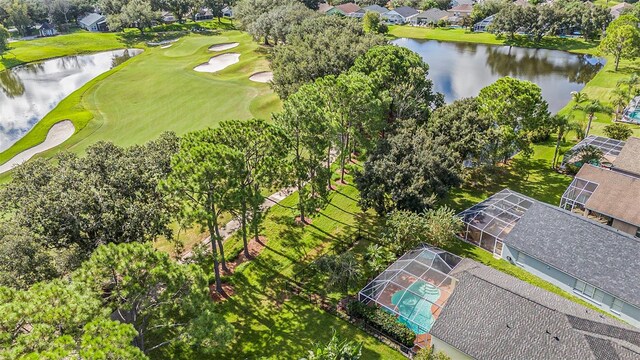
414 306
633 116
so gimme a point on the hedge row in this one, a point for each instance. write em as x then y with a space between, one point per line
382 321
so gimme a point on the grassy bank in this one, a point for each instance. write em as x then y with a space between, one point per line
80 42
159 91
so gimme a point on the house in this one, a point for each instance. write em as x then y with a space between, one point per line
47 29
620 9
461 10
346 9
492 315
610 149
324 7
93 22
204 14
431 17
483 25
609 194
470 311
400 15
455 3
375 8
227 12
575 253
168 17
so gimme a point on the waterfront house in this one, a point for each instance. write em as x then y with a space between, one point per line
93 22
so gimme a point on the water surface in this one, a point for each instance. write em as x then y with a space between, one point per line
460 70
29 92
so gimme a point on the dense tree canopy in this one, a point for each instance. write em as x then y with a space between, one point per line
108 196
622 40
322 46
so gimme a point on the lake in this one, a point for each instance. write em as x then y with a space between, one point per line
29 92
460 70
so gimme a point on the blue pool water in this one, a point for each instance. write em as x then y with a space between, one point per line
635 115
415 304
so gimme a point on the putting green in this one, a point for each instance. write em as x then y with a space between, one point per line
159 91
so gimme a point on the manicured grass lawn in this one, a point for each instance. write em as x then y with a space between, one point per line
159 91
269 321
464 35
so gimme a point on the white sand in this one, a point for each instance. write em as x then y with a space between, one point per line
58 134
223 47
218 63
165 46
262 77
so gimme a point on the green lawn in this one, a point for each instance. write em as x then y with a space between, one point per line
273 323
159 91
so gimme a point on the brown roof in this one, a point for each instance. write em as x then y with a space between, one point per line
324 7
629 158
617 194
462 8
348 8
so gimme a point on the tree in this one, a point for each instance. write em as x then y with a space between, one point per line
167 303
372 23
204 183
517 109
18 16
58 320
619 99
343 271
408 170
4 40
563 125
400 75
62 7
327 45
622 42
311 4
487 8
463 127
336 350
508 21
215 6
618 131
303 120
590 109
134 13
263 150
109 196
430 354
179 8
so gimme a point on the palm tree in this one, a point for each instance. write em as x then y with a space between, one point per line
563 124
579 97
632 84
619 100
591 108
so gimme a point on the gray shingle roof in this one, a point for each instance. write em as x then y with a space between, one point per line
495 316
406 11
376 8
91 19
597 254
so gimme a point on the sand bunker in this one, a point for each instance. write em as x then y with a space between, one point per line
165 46
262 77
58 134
218 63
223 47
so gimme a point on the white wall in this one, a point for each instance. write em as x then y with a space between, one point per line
452 352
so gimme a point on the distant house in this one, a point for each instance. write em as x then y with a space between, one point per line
596 262
620 9
46 29
346 9
227 11
431 17
461 10
484 24
375 8
324 8
204 14
455 3
168 17
400 15
94 22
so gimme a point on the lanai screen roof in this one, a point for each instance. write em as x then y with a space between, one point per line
498 214
415 287
610 148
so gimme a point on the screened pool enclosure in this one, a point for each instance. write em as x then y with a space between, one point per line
486 224
577 194
414 288
610 148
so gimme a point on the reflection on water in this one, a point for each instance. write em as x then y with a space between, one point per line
461 69
29 92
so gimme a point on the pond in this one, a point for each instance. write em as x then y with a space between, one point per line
29 92
460 70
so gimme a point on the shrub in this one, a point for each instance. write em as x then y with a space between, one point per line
383 321
618 131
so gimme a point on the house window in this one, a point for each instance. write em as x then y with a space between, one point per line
616 307
589 291
638 232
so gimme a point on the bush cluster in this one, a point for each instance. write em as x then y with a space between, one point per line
382 321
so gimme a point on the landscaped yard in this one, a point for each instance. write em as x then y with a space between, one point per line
159 91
